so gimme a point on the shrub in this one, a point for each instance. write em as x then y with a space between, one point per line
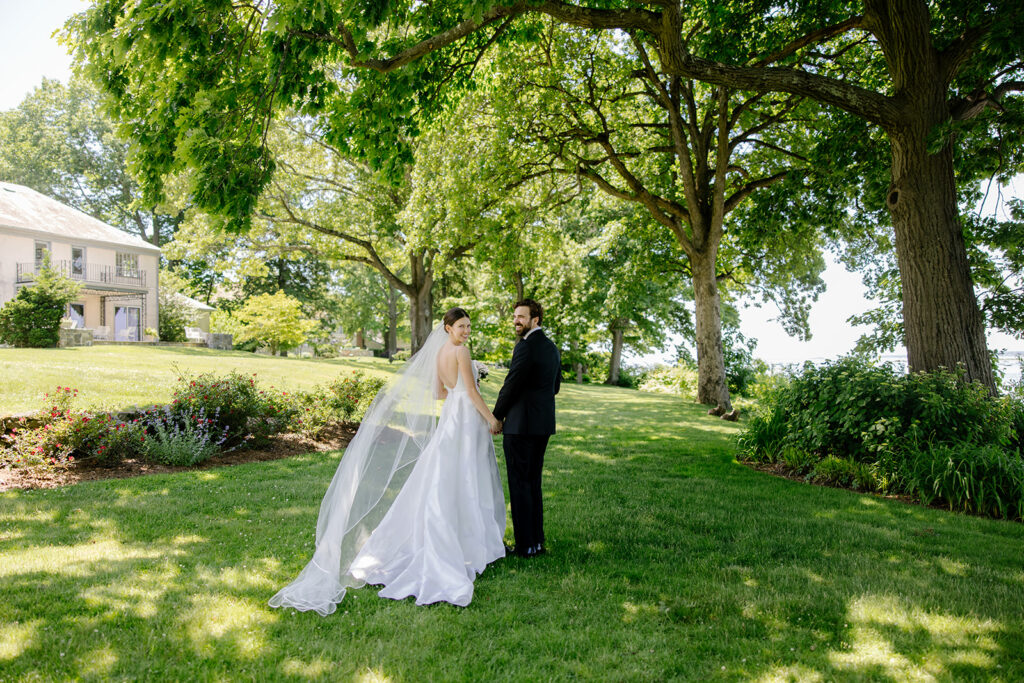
32 318
765 431
67 436
274 321
851 409
797 461
248 414
631 376
931 435
175 316
343 399
680 379
981 479
182 438
834 471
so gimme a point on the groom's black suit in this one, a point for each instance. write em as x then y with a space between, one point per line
526 403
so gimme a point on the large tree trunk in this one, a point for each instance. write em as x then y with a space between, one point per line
616 362
517 279
577 365
942 322
421 302
711 385
391 337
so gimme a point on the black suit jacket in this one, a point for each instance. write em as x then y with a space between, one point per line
526 401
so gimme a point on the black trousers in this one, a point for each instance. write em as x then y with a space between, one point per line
524 460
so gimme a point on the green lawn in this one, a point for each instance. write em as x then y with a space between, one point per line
122 376
668 561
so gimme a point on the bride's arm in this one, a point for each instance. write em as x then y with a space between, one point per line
440 390
469 380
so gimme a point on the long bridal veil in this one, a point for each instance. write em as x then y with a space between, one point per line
398 425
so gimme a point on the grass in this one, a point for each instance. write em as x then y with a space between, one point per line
668 560
121 376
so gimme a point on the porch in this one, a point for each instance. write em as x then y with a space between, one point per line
86 273
112 316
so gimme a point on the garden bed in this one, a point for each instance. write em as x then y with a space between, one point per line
281 446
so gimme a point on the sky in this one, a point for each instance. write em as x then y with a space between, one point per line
30 53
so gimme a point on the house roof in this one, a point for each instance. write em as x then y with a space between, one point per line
22 208
193 303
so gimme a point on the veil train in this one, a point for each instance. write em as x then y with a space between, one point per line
398 425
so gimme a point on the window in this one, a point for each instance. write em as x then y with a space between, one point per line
77 262
77 313
42 249
127 264
126 323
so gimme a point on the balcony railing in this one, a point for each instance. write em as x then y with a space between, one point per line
87 273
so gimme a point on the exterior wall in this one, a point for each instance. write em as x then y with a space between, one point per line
150 264
14 249
203 320
17 247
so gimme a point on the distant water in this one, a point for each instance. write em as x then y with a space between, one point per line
1009 363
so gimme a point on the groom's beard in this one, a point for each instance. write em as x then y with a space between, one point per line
521 330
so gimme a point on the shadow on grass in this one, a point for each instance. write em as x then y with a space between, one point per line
667 560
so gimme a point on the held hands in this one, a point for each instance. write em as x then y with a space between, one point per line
494 425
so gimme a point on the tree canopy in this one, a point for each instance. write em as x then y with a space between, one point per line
197 85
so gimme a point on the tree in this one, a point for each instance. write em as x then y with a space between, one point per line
59 143
917 70
274 321
689 155
320 190
175 315
32 317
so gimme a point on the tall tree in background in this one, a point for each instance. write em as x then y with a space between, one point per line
687 154
318 188
917 70
59 143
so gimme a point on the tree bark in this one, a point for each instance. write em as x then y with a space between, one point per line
517 279
942 323
711 386
615 365
391 336
421 300
577 365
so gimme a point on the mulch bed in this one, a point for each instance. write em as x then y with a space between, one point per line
282 446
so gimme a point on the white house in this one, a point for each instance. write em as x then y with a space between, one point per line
118 271
200 311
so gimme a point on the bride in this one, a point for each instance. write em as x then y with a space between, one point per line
416 504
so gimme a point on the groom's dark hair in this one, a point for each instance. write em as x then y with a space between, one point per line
535 310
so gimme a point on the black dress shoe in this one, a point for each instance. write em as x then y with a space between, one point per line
509 550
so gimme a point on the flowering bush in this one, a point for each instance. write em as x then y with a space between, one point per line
208 415
67 435
248 415
180 438
344 399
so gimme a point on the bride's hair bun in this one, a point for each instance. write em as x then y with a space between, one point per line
453 316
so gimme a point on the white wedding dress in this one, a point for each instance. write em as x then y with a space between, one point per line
415 504
447 522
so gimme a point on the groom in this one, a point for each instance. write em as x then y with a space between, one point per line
526 406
